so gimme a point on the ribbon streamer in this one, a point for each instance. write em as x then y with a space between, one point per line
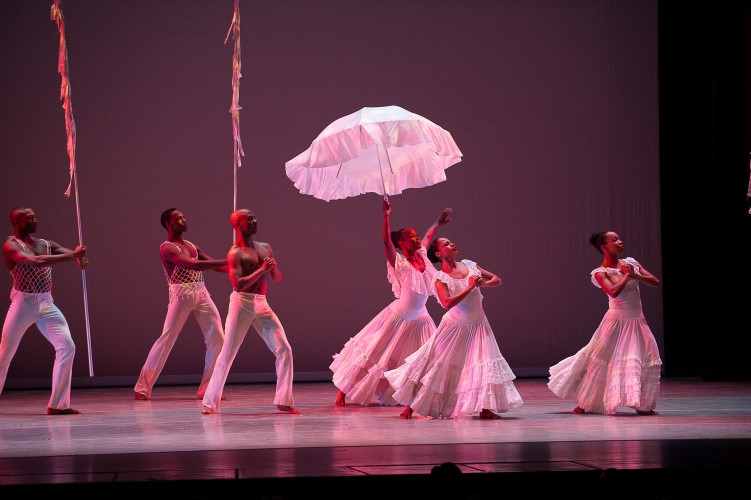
234 32
56 14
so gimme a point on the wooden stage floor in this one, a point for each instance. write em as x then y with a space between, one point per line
700 441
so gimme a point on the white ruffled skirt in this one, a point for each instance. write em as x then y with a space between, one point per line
620 366
382 345
459 371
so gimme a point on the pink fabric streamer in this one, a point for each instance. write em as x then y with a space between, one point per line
234 32
56 14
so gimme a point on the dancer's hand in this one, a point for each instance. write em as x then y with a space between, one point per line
386 206
626 269
79 252
443 217
268 264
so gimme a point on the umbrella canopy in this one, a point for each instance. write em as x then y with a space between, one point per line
381 150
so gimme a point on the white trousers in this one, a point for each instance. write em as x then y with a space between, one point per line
25 310
246 309
178 311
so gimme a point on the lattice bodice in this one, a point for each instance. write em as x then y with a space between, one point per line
183 281
32 279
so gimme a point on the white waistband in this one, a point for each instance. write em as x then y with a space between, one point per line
248 296
39 297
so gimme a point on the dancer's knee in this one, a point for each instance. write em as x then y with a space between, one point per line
66 350
283 351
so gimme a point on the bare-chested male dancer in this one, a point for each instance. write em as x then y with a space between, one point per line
251 264
29 259
183 263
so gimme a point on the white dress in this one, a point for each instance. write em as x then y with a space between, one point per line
395 333
460 370
620 366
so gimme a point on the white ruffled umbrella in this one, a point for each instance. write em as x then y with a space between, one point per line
381 150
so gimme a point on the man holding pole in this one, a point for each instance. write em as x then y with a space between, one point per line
29 259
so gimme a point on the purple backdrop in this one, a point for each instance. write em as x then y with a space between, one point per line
554 105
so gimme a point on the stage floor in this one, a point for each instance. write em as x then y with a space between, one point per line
701 426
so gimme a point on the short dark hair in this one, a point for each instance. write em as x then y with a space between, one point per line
446 470
14 214
165 216
236 214
597 240
396 236
432 249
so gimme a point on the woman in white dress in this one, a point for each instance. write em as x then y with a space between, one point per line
459 371
620 366
398 330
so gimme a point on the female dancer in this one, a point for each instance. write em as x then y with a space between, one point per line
459 371
620 366
398 330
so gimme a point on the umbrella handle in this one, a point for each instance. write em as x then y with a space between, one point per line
380 169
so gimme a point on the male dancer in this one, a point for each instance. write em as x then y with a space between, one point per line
29 259
183 262
251 263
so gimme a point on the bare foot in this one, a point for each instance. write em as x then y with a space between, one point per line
288 409
141 397
407 413
339 399
207 411
66 411
579 410
489 414
649 412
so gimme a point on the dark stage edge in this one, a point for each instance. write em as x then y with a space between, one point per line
665 469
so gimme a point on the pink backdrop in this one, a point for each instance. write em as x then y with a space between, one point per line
554 105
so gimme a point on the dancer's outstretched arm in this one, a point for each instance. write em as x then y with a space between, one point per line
443 218
388 246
